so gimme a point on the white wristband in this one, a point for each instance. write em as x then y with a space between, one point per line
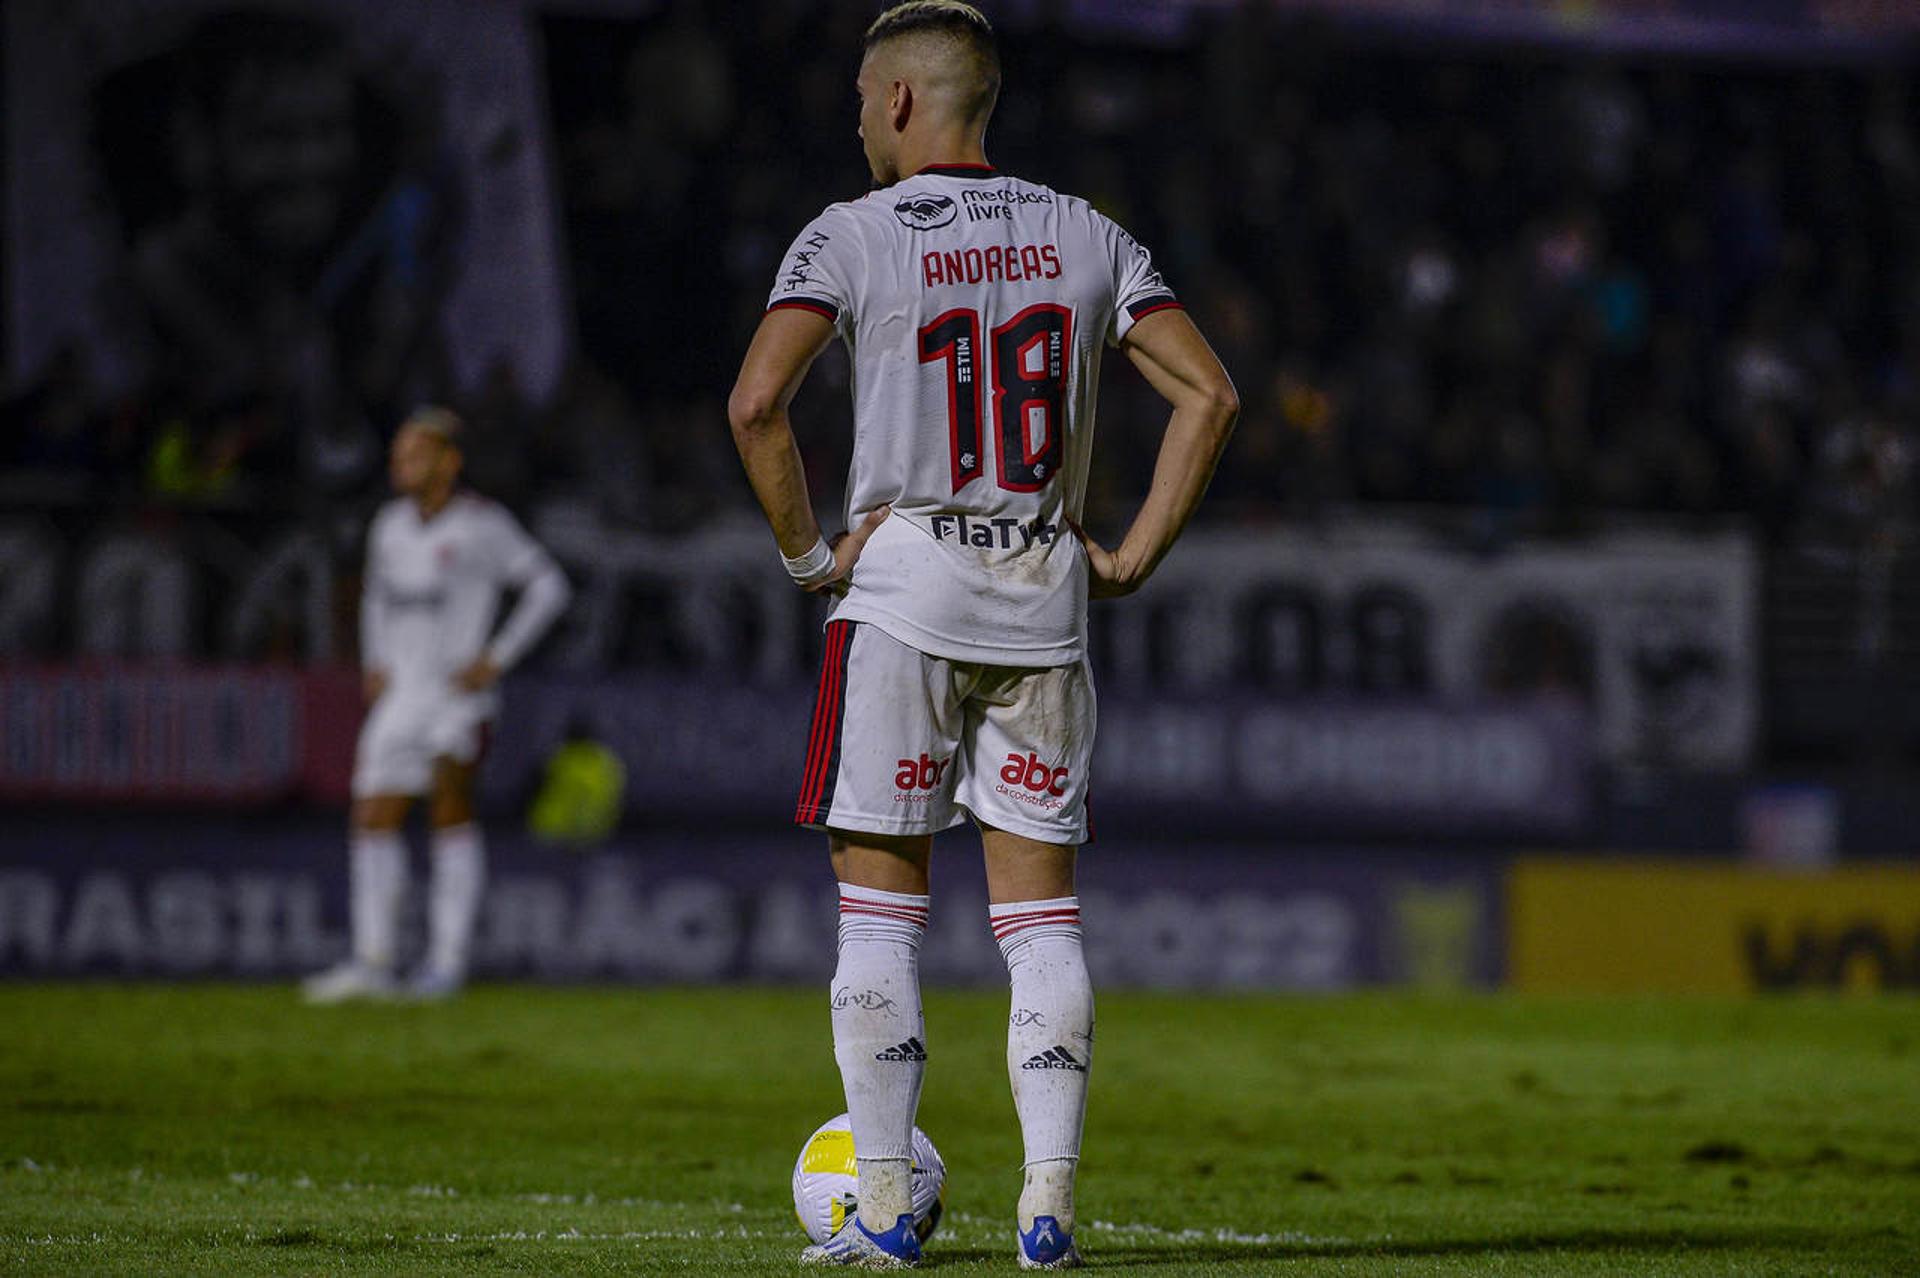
813 567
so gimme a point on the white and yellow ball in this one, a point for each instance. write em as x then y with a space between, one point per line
826 1182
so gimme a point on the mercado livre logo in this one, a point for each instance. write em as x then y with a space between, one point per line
925 212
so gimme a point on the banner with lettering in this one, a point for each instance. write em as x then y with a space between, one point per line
266 898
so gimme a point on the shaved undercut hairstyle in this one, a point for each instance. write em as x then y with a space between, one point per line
962 28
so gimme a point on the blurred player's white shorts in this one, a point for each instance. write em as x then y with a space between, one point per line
407 731
905 743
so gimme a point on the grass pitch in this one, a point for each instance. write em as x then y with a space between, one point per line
201 1130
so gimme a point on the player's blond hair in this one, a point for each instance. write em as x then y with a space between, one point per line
962 28
441 422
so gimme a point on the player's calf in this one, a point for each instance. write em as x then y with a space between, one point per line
1049 1053
879 1037
376 887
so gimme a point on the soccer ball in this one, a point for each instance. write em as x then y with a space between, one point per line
826 1182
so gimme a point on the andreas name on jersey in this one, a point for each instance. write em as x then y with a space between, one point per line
1012 262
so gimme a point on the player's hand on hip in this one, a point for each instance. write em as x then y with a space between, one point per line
478 677
846 551
1108 576
373 684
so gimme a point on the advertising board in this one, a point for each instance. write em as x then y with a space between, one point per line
1635 925
265 899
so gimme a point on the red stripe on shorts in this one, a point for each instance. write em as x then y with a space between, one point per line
828 710
818 725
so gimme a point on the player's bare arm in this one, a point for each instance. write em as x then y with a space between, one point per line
783 349
1177 362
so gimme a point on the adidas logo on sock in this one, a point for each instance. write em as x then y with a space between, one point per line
1054 1058
911 1050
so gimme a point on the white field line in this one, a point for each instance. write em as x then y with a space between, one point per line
974 1227
975 1230
994 1226
738 1232
1286 1238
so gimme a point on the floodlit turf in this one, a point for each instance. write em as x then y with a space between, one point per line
206 1130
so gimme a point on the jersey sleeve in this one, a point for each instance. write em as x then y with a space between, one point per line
516 558
524 563
821 268
1139 290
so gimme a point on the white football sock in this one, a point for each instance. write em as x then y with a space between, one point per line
879 1039
1049 1045
453 900
376 886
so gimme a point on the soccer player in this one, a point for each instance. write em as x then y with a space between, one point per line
438 559
975 306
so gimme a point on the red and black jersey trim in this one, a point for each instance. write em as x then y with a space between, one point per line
829 723
959 170
1146 306
818 305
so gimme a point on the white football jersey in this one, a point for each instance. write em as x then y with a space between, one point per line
433 588
974 306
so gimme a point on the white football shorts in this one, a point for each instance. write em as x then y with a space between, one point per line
906 743
407 731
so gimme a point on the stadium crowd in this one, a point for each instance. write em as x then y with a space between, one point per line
1533 287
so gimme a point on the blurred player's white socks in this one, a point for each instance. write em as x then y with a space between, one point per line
1049 1045
453 901
879 1039
377 878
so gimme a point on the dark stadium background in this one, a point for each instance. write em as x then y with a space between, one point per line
1558 591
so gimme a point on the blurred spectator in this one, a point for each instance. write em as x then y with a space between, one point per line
287 247
581 794
51 425
590 444
499 435
1543 289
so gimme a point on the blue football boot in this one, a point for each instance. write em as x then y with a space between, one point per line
855 1244
1047 1246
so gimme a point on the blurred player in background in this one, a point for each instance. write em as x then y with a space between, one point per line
438 559
974 305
